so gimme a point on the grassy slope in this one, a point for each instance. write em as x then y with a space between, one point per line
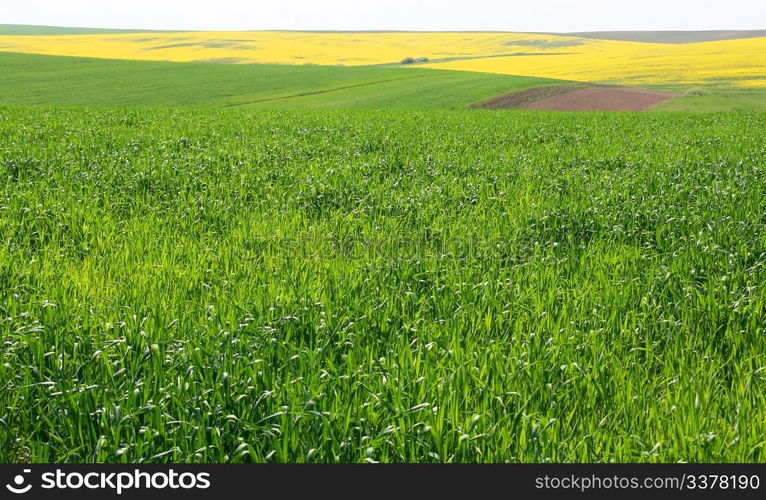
230 285
718 100
26 29
33 79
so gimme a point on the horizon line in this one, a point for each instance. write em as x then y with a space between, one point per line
385 30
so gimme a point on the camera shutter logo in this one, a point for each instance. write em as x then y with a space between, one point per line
18 484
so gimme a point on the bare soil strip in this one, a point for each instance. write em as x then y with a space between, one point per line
577 97
603 99
523 98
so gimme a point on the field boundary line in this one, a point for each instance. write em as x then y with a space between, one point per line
323 91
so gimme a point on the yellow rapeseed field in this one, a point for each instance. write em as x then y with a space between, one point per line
736 63
739 63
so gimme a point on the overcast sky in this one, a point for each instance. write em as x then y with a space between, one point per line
503 15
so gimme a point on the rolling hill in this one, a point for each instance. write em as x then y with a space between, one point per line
722 64
671 36
28 29
34 79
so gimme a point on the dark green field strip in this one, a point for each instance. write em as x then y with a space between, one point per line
35 79
433 89
50 80
316 92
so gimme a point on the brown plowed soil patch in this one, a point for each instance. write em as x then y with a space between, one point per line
578 98
603 99
523 98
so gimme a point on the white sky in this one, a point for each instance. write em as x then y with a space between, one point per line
501 15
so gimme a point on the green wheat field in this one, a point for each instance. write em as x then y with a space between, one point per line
187 276
231 285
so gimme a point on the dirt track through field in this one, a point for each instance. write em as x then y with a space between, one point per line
578 98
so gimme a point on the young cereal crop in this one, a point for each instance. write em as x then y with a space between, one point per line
465 286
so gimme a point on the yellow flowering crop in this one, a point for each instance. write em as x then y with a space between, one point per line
740 63
350 49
